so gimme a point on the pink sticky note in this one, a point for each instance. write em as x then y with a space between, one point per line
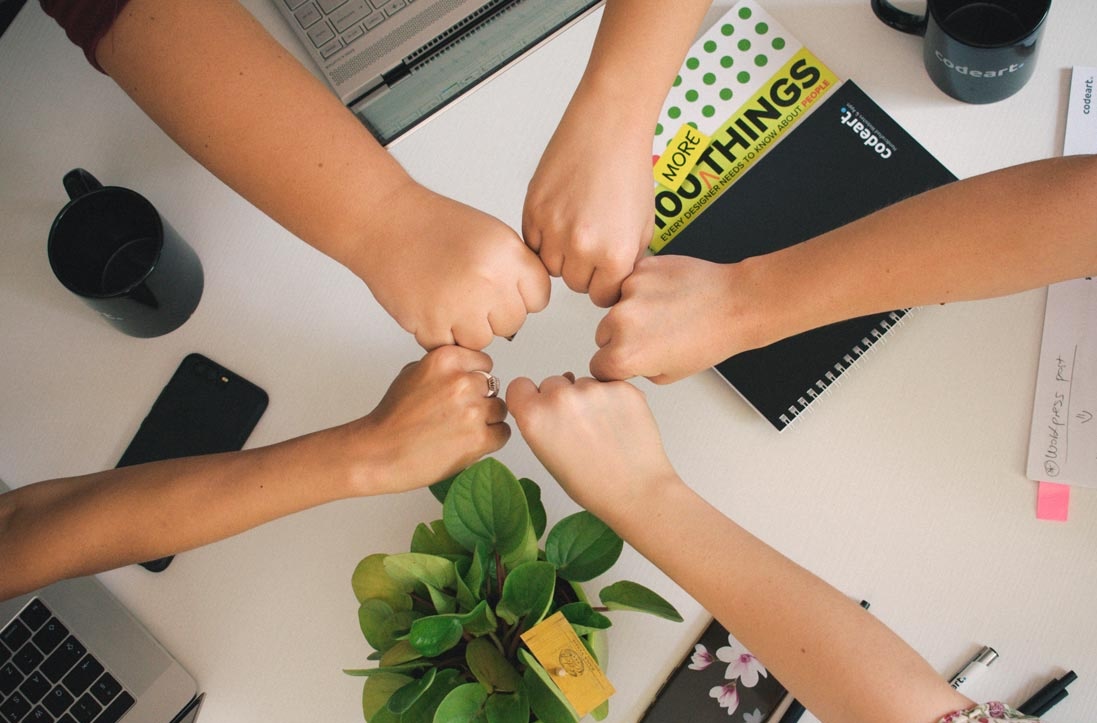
1052 501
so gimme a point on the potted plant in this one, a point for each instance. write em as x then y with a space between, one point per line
445 619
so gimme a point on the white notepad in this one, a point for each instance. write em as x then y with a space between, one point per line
1062 444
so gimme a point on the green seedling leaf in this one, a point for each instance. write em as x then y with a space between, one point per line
582 547
370 581
411 567
464 704
377 690
434 539
584 618
490 667
381 625
601 712
527 593
545 698
486 505
507 708
625 595
436 634
403 699
537 516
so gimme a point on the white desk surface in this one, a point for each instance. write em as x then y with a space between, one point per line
905 486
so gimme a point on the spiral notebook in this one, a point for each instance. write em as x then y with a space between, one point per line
845 160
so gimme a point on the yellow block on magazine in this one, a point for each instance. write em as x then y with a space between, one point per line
680 157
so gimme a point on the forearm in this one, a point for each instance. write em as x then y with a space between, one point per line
81 525
639 48
1011 230
244 108
816 641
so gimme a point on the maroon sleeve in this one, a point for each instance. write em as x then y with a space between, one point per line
85 21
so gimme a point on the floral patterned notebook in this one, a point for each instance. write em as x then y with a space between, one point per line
719 680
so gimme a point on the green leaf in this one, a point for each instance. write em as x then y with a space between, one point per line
434 539
380 624
478 571
486 505
466 598
527 593
404 668
464 704
545 698
441 489
625 595
480 620
436 634
371 582
409 568
597 644
523 553
377 691
442 602
490 667
584 618
507 708
403 699
537 516
599 713
400 653
423 710
582 547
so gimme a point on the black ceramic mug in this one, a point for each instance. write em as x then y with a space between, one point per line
110 247
977 51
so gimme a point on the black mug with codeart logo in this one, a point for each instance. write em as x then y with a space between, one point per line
977 51
110 247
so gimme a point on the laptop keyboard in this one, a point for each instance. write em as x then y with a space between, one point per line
48 676
334 24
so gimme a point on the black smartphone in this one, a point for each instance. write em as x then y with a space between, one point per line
203 409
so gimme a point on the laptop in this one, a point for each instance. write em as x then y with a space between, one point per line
71 653
395 63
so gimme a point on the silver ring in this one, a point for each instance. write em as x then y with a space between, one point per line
493 384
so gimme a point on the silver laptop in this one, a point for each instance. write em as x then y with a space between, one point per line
395 63
71 653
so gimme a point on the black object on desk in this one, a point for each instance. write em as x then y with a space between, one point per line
846 160
1049 695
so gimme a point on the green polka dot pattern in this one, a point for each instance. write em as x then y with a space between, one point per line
725 67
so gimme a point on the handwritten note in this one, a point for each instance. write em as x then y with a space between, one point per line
1063 440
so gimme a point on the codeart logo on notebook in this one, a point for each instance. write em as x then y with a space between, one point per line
864 129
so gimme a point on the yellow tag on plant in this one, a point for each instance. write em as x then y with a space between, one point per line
560 651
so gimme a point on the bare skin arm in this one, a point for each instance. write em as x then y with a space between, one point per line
244 108
433 422
599 440
588 210
1002 232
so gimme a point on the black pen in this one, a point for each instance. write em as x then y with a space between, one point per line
796 709
1039 712
1045 694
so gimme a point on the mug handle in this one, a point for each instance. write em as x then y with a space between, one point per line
79 182
899 19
